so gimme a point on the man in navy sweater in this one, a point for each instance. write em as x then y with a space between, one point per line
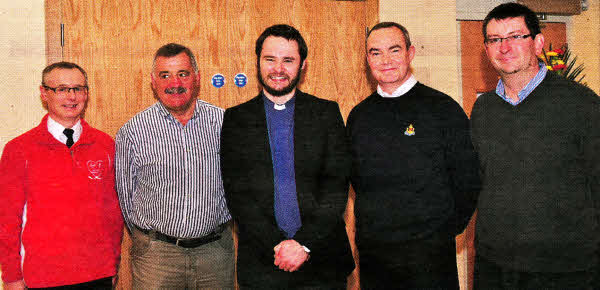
414 171
538 141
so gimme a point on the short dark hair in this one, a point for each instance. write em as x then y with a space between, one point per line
512 10
62 65
173 49
388 24
285 31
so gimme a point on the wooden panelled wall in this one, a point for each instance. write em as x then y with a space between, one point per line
115 40
560 7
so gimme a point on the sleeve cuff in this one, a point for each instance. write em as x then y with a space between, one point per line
11 276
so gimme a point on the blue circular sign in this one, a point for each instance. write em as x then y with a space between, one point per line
240 80
218 80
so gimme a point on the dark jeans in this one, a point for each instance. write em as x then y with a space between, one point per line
488 275
100 284
428 263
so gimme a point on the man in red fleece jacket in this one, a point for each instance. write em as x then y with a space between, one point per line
60 222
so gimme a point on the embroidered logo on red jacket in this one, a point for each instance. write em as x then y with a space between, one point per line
95 169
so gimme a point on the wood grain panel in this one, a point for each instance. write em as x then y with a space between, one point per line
53 19
478 75
115 42
560 7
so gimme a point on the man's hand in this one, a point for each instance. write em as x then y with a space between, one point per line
17 285
289 255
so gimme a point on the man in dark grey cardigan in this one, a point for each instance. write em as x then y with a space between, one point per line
539 146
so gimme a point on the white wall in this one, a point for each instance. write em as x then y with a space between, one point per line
475 9
22 55
584 41
433 32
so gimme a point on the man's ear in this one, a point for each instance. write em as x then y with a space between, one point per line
43 93
152 81
538 43
411 53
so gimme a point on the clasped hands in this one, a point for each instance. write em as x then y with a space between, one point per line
290 255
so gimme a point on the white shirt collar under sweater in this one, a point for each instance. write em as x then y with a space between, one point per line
57 129
401 90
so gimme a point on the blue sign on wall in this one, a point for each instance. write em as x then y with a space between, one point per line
240 80
218 80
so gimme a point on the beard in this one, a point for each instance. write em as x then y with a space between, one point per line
283 91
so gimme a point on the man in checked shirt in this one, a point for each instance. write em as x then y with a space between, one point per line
169 183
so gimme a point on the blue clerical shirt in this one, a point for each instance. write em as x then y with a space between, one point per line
280 125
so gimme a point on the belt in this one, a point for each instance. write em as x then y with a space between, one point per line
185 243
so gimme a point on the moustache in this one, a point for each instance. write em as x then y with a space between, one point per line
175 90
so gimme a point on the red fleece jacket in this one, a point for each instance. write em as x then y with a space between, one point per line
61 204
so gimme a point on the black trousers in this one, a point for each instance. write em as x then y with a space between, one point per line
489 275
100 284
428 263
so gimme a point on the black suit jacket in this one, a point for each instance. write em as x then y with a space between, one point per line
322 167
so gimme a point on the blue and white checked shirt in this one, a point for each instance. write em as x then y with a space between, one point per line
168 176
539 77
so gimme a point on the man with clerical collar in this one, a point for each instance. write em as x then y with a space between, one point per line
285 163
538 141
60 225
169 183
415 172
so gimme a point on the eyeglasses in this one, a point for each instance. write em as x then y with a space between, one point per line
509 39
64 90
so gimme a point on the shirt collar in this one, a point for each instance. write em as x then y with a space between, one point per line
537 79
56 130
401 90
287 105
166 114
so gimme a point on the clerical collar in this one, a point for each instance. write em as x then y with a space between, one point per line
56 130
401 90
276 106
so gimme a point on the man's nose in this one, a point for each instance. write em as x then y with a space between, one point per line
71 95
278 67
504 45
386 58
175 81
